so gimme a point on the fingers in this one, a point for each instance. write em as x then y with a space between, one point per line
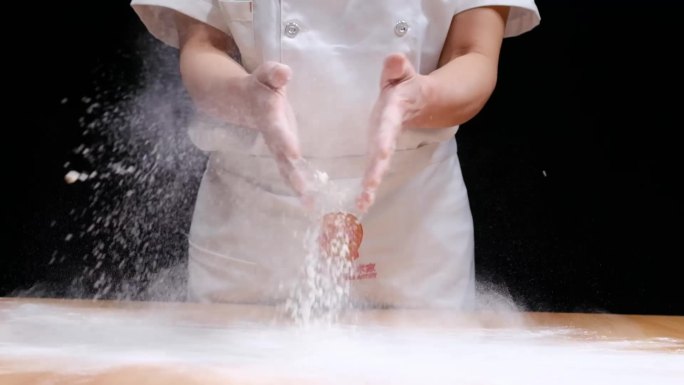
286 141
382 145
294 176
279 130
386 124
396 68
284 145
274 75
378 166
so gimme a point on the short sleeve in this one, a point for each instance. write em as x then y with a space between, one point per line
522 17
157 15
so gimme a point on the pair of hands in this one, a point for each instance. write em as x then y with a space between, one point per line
401 99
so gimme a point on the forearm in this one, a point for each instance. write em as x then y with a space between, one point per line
456 92
208 75
467 73
213 79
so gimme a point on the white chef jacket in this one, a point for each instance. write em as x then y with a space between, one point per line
418 242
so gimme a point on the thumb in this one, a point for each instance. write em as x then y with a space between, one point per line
272 74
396 68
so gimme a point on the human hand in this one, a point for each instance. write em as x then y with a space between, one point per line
222 88
401 99
269 112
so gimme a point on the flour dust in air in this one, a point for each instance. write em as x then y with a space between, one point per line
321 292
129 183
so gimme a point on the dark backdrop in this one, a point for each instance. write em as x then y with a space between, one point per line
572 168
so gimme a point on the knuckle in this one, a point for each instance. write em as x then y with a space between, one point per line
384 151
372 183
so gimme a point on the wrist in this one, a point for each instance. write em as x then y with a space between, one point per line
222 96
420 114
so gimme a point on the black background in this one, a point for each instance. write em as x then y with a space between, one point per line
572 168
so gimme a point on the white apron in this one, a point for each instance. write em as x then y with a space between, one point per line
246 237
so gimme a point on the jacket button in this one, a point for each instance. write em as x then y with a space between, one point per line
291 29
401 28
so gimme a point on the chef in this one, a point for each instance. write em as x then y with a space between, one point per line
369 91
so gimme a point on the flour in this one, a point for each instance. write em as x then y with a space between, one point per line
321 292
72 176
132 179
86 341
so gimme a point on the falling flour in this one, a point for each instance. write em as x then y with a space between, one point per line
321 292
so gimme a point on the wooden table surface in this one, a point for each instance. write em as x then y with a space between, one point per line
26 359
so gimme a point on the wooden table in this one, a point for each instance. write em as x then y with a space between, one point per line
51 341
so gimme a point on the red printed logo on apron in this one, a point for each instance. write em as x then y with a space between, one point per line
341 236
365 271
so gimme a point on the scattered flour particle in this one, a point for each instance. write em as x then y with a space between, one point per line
92 108
72 176
322 177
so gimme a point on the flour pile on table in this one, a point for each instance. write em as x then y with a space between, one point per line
91 341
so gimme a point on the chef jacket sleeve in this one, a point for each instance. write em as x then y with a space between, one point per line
522 17
157 15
